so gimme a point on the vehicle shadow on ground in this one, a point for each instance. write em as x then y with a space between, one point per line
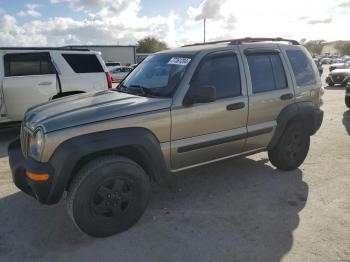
236 210
346 121
6 136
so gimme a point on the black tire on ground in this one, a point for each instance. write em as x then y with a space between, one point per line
347 101
108 196
331 84
292 148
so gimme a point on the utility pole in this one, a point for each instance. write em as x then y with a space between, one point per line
204 30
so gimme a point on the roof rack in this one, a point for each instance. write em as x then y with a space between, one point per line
45 48
247 40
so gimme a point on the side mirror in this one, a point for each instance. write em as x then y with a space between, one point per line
200 94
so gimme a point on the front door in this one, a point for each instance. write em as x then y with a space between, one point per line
29 80
205 132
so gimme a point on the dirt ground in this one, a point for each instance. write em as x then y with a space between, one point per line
236 210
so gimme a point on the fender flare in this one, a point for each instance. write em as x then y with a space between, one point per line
306 112
69 154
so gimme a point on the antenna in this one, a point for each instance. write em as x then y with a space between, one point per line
204 30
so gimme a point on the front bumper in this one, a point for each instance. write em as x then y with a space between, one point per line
19 165
318 119
333 80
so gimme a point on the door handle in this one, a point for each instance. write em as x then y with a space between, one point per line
287 96
47 83
235 106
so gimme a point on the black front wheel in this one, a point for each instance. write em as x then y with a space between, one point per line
108 196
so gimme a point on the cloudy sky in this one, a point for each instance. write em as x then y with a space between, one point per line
177 22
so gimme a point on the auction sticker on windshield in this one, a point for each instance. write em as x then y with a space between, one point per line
179 61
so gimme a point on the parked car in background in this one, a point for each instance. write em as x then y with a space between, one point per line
319 66
118 73
338 77
112 64
326 61
347 95
133 66
32 76
339 66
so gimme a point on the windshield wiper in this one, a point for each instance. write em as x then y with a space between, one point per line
144 90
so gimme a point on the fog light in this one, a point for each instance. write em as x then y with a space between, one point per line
37 177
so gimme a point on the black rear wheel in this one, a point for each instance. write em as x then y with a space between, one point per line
108 196
292 148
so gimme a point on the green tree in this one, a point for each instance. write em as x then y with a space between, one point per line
343 47
150 45
314 46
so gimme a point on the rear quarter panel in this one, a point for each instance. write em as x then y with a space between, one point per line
72 81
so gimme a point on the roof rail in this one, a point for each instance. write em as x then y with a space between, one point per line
247 40
45 48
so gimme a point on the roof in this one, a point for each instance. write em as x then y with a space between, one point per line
91 46
44 48
245 40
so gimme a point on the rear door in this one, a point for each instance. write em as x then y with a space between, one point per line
29 80
270 90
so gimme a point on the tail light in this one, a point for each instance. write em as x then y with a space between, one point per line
109 80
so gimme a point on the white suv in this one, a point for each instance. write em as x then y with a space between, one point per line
31 76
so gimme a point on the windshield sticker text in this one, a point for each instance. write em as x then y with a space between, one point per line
179 61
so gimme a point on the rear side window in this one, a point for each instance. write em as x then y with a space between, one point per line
24 64
222 72
267 72
302 68
81 63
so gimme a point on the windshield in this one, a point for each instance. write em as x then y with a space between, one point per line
158 75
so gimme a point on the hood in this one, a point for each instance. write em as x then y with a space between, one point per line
90 107
340 71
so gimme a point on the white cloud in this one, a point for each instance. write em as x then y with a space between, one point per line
207 9
109 25
120 21
31 10
311 19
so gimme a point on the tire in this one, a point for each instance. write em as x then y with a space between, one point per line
331 84
347 101
292 148
108 196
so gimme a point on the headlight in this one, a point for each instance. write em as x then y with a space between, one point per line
36 144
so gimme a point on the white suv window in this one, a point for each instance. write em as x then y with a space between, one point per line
22 64
83 63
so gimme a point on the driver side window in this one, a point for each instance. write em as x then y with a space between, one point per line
222 72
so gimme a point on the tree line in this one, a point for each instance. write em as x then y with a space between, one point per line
315 47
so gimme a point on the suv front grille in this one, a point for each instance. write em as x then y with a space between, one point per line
338 78
25 139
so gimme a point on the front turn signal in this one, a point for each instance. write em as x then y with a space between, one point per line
37 177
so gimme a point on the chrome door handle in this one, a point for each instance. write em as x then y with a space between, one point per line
235 106
287 96
47 83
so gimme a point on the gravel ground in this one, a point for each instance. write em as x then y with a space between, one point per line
236 210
